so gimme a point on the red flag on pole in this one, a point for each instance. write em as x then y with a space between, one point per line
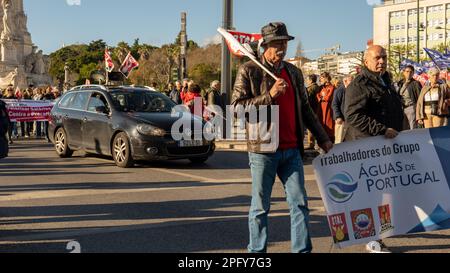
109 64
244 39
128 65
239 50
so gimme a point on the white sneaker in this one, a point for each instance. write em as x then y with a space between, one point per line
377 247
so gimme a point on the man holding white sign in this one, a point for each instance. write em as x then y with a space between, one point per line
372 107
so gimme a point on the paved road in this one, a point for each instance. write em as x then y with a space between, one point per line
173 206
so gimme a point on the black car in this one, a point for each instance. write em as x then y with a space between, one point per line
127 123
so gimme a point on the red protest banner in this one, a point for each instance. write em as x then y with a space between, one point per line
28 110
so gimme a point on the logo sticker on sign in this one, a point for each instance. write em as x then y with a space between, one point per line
363 224
338 227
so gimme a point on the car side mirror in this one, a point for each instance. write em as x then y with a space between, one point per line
101 110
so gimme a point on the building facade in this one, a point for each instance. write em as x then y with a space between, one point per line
337 64
395 23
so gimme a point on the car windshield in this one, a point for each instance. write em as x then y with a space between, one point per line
141 101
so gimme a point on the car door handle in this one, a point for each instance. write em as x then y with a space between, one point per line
66 117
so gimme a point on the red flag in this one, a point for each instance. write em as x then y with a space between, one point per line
18 93
109 64
239 50
128 65
241 39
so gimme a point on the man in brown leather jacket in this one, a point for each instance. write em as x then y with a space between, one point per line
255 89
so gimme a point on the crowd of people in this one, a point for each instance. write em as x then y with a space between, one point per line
422 106
37 129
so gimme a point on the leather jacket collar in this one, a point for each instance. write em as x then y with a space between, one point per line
271 67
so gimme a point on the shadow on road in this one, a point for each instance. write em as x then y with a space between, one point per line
216 227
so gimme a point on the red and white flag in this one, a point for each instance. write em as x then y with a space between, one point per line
246 38
240 50
109 64
128 65
238 42
18 94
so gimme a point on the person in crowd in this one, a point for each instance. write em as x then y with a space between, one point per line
372 107
175 93
338 109
26 127
4 125
48 95
409 90
169 89
38 95
313 89
324 110
194 91
253 87
12 130
56 93
214 95
433 102
336 82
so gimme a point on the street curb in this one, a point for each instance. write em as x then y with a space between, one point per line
242 147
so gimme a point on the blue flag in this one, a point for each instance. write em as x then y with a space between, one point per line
441 60
419 69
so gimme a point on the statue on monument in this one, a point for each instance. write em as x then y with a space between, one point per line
30 60
39 65
7 20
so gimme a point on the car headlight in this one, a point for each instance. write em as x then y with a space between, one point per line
149 130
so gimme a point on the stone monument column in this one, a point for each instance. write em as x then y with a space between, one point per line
18 62
8 20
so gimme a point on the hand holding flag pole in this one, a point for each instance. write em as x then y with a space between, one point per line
238 49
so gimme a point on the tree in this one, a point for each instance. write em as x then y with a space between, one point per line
203 74
81 59
121 51
86 71
396 54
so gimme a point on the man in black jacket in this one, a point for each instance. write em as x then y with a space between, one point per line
372 106
409 90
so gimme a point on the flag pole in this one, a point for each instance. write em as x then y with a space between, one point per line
244 51
106 70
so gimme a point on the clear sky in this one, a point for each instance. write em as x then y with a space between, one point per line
316 23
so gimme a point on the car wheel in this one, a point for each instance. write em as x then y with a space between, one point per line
62 144
198 160
122 151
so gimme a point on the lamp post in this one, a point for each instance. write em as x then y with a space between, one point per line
226 56
418 31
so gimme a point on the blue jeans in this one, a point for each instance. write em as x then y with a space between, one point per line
288 165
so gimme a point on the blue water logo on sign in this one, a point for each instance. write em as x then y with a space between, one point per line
341 188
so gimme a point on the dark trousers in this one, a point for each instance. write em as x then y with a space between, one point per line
25 128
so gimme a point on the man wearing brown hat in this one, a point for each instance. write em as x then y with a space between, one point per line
255 88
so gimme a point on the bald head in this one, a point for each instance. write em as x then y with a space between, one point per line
375 59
